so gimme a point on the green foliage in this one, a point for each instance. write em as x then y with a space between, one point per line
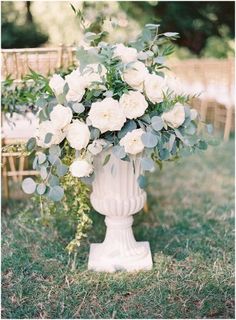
16 34
198 22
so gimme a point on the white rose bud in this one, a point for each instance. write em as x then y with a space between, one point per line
175 117
76 85
61 116
57 84
48 127
107 115
135 75
132 141
134 104
78 134
81 168
126 54
153 87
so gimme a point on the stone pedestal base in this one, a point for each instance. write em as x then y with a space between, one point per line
120 250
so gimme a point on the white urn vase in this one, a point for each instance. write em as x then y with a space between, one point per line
117 195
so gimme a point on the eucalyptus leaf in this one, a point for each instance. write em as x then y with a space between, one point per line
164 154
53 180
41 188
191 128
43 173
119 151
128 127
41 157
28 185
78 107
55 150
147 164
157 123
94 133
56 193
48 137
149 139
61 170
142 181
31 144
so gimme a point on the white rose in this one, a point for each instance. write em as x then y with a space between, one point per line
96 146
126 54
76 85
81 168
132 141
154 86
78 134
135 75
107 115
61 116
134 104
57 84
175 117
48 127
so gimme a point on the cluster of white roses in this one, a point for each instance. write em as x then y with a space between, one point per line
107 114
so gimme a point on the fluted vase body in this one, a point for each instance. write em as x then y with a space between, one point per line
117 195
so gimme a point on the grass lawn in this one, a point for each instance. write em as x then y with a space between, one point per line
190 228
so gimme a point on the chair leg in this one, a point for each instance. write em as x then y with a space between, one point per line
229 113
5 179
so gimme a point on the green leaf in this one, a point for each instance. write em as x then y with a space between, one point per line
41 102
56 193
157 123
29 185
149 139
48 137
41 188
142 181
107 158
171 34
202 145
31 144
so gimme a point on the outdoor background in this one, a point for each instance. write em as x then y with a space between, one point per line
190 217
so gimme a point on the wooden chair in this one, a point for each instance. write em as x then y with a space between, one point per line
18 62
14 166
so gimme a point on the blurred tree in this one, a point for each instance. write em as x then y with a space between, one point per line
196 21
19 30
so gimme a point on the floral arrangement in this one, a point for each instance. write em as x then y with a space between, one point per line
117 99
